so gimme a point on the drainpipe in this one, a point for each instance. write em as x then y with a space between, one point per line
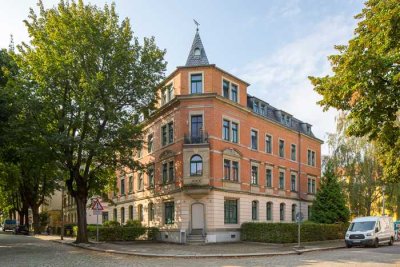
299 190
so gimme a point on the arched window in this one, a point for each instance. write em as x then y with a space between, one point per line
294 207
151 211
282 211
122 215
140 212
254 210
130 211
196 166
269 211
197 51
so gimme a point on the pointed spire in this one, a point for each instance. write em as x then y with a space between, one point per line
197 55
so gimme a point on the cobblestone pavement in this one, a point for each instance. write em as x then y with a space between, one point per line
30 251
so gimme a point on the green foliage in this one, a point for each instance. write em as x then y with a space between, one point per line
117 233
329 205
133 223
366 81
44 218
111 223
287 232
85 79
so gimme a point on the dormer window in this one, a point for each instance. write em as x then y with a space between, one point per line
197 52
286 119
230 90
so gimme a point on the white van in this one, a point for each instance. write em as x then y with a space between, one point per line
371 231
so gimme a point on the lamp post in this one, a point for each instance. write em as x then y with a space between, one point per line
62 213
383 199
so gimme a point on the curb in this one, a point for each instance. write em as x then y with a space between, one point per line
142 254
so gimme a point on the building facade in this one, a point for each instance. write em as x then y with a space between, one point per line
217 157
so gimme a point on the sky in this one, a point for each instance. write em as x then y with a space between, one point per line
272 44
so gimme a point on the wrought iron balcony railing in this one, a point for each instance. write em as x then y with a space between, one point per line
196 139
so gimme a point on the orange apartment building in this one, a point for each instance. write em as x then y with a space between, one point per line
217 157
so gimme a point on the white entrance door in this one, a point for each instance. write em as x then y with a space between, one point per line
197 216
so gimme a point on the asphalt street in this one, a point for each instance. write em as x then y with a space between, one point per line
30 251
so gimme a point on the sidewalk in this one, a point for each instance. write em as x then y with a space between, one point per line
158 249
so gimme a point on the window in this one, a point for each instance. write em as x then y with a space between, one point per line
230 131
286 119
293 152
309 209
130 185
254 139
311 185
171 172
140 181
150 173
226 130
165 173
196 127
263 110
196 166
169 212
254 210
122 215
164 135
167 134
268 177
235 131
268 144
282 211
170 92
293 182
234 93
130 212
197 52
122 186
227 169
281 180
230 211
115 214
171 132
230 90
164 97
311 157
281 148
196 83
269 211
104 215
254 175
231 170
225 89
255 107
235 171
140 212
150 143
151 212
294 212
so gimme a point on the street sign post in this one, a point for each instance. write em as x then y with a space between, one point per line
97 210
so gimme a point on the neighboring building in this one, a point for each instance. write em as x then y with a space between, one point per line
52 206
71 216
217 157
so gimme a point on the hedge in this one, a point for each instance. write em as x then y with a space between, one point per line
287 232
120 233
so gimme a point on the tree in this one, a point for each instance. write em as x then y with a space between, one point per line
366 81
329 205
86 79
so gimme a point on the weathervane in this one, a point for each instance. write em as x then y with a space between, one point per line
197 24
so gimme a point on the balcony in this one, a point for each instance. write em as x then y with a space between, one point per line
196 139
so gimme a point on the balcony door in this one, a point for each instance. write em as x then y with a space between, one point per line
196 127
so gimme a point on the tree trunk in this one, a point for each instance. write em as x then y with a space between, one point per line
36 219
81 236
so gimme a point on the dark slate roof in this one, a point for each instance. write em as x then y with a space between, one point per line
278 116
194 60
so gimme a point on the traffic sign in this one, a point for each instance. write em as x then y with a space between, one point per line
299 216
97 205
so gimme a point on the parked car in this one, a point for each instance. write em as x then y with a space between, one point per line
21 230
9 225
371 231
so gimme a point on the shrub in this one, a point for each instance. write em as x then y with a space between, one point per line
133 223
117 233
287 232
152 233
111 224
